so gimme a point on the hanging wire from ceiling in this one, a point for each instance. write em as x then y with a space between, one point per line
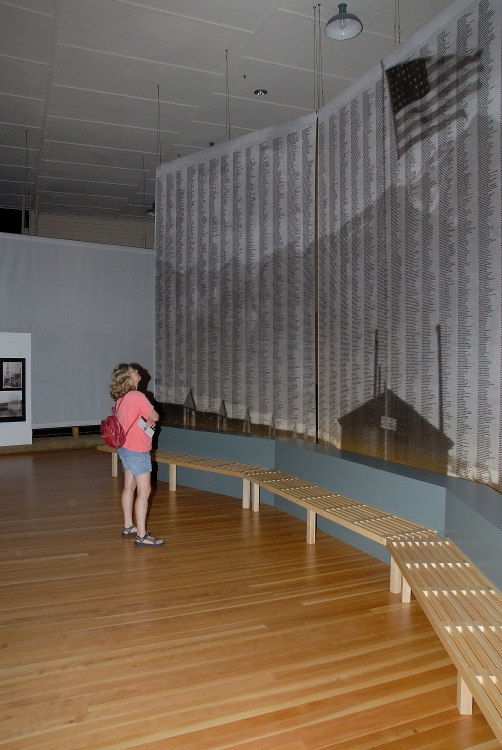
397 24
159 145
314 8
151 211
318 78
144 204
227 99
26 221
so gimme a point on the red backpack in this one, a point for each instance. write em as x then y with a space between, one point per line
112 431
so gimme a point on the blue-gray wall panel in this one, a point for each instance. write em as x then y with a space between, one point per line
479 539
467 512
229 446
404 495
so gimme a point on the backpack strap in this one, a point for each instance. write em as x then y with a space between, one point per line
114 407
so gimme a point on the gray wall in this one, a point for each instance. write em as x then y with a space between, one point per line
87 307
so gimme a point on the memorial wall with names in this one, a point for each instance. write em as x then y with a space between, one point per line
235 280
409 254
403 261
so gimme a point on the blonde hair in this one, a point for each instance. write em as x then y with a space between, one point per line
120 382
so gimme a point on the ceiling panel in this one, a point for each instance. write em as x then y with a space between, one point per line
24 78
17 173
17 110
250 113
15 135
16 157
240 15
144 33
97 205
47 7
102 137
25 35
100 71
91 84
113 109
13 188
90 172
81 154
83 187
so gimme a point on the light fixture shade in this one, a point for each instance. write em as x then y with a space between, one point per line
344 25
151 212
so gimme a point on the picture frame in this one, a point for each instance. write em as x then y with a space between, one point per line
12 389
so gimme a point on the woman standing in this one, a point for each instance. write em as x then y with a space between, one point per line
130 406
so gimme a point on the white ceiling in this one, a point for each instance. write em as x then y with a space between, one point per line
81 80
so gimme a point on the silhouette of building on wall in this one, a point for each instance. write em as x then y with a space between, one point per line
389 428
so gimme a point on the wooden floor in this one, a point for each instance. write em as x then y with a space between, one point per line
235 635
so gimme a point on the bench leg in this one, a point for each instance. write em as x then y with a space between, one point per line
115 464
256 497
246 493
311 524
172 477
395 578
405 592
398 583
464 697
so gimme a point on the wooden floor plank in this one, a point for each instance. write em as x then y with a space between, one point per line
237 634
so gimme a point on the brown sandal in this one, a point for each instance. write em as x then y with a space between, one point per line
148 541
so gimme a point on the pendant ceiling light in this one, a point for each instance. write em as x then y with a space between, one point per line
344 25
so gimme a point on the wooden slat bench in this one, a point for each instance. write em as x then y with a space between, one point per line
464 609
216 465
364 519
370 522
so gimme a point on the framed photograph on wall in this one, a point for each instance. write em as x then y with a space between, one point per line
12 390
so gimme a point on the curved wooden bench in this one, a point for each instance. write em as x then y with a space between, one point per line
216 465
364 519
370 522
464 608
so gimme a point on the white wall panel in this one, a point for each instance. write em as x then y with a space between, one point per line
87 308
